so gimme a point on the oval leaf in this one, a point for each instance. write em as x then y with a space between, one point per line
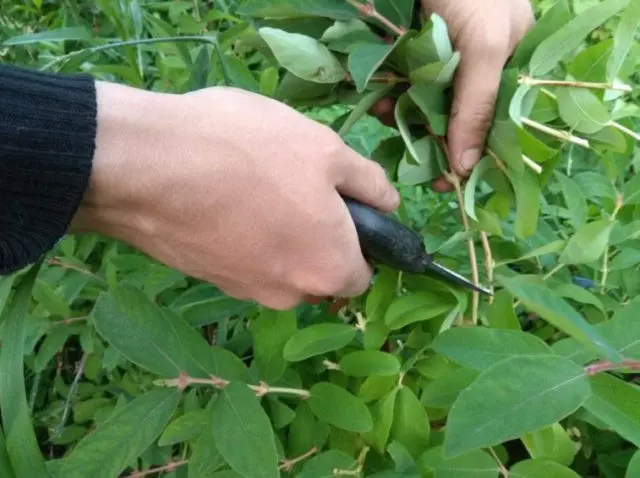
365 363
526 394
541 468
239 423
316 340
338 407
416 308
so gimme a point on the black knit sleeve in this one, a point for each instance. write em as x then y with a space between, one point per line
47 141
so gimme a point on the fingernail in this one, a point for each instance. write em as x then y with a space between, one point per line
469 159
393 196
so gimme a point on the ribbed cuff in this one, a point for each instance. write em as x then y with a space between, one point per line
47 141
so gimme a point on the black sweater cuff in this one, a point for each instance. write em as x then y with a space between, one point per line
47 141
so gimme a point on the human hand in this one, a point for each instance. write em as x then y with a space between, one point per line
233 188
486 34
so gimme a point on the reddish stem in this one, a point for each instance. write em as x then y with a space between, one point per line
599 367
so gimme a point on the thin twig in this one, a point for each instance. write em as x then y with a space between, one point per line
489 263
56 261
72 391
287 465
503 470
527 80
535 167
369 10
169 467
562 135
625 130
70 321
605 366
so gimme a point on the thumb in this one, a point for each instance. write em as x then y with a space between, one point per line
366 181
475 91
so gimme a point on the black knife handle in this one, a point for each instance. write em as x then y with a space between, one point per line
386 240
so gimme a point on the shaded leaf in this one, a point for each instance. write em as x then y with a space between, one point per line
411 426
527 393
364 60
185 427
117 441
205 460
323 464
271 330
382 413
475 464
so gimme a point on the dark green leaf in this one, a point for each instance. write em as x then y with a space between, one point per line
205 460
443 391
21 443
324 464
317 339
61 34
479 347
527 393
119 440
364 61
336 9
338 407
382 413
433 103
239 424
186 427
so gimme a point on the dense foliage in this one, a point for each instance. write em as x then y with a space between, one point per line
114 365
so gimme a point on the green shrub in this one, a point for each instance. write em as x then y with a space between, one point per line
114 365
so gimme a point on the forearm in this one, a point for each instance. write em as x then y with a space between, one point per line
47 142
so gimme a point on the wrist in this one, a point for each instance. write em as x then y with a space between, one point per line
124 171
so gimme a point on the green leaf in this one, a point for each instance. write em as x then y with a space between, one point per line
303 56
615 403
417 307
434 105
400 12
338 407
404 107
527 393
324 464
60 34
364 60
128 320
479 347
623 39
336 9
581 110
552 20
239 424
6 471
120 439
574 199
589 243
317 339
633 469
382 413
567 38
502 313
541 468
421 163
271 330
21 442
411 426
381 294
526 186
443 391
365 363
551 443
186 427
552 308
475 464
205 460
470 189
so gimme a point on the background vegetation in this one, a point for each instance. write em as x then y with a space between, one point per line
114 365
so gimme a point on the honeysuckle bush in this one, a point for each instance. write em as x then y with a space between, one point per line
115 365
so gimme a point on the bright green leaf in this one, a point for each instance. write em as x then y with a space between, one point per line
541 468
588 244
340 408
581 110
417 307
411 426
271 330
475 464
317 339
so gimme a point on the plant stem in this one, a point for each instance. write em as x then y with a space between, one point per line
453 179
604 366
184 380
72 391
489 263
503 470
369 10
119 44
73 320
528 162
169 467
535 167
527 80
625 130
55 261
562 135
287 465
